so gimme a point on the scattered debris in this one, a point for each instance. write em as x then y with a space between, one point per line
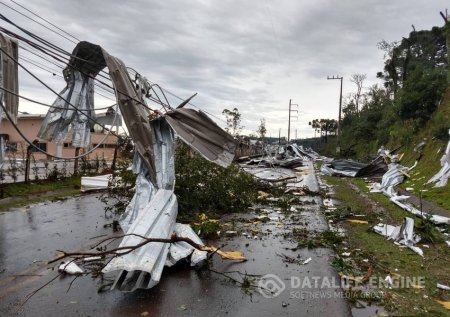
445 304
182 308
70 268
92 259
355 169
357 221
89 183
341 167
444 287
152 211
402 234
441 178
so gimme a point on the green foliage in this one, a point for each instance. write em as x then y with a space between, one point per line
233 118
202 186
262 129
428 231
421 93
207 228
120 189
396 113
324 127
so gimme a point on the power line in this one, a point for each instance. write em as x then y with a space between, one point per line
49 88
69 65
47 105
55 73
56 54
60 58
35 14
30 18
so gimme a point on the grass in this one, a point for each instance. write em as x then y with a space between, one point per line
388 258
22 194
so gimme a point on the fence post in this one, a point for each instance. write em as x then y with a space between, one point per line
75 165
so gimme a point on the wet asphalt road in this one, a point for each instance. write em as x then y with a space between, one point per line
30 236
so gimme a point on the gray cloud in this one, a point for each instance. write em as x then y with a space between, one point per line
254 55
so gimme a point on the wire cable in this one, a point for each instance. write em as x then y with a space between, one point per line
58 57
30 18
47 105
52 90
36 15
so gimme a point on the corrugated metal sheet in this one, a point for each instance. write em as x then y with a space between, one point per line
440 179
152 211
62 116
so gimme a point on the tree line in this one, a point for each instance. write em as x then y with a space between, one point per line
414 79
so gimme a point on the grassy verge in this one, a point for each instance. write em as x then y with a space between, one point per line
20 194
387 258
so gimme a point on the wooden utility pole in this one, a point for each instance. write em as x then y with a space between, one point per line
289 122
338 141
279 137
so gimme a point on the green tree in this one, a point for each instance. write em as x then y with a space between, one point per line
358 80
233 118
421 93
262 129
325 127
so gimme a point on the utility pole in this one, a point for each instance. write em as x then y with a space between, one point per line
338 142
279 137
289 122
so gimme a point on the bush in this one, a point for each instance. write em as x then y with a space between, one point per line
120 189
202 186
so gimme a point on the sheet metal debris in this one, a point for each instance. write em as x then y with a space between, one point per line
70 268
152 211
402 234
63 116
89 183
441 177
352 168
341 167
442 286
395 175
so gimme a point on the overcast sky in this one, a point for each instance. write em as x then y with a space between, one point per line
254 55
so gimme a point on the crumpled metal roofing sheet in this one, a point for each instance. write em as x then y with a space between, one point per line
203 134
62 115
441 178
153 209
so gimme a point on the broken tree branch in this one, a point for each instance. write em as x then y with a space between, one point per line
444 16
119 251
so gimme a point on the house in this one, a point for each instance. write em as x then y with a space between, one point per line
29 125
